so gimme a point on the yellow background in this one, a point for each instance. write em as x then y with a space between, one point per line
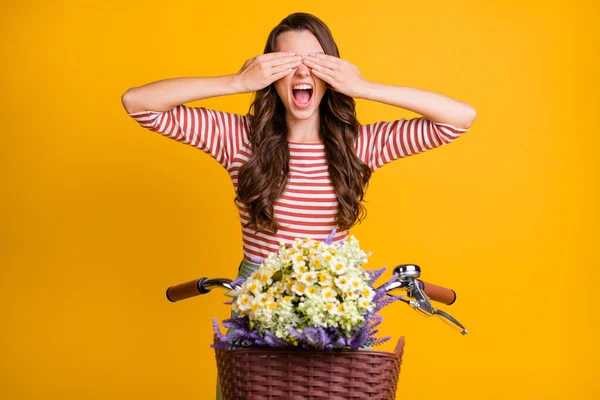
100 216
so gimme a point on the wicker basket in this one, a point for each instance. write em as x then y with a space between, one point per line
269 374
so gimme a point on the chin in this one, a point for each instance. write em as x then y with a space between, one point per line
302 114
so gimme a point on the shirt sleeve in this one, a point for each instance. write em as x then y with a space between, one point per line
382 142
220 134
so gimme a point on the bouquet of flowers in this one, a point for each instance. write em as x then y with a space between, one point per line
312 295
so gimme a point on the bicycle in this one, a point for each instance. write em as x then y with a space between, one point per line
266 373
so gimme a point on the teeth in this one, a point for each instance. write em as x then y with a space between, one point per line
302 87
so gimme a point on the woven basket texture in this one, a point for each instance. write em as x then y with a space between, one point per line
293 374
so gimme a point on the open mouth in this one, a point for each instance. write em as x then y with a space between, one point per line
302 95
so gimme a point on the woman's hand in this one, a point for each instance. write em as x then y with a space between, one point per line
259 72
341 75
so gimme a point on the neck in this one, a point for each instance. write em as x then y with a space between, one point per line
304 130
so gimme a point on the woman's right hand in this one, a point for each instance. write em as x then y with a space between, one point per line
259 72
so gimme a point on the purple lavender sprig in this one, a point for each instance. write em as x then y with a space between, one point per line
330 237
374 275
274 341
239 280
320 338
239 334
257 260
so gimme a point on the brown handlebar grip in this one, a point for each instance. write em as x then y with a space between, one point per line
438 293
186 290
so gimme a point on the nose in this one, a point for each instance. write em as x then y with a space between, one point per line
303 70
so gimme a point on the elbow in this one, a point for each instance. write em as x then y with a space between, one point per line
463 118
472 115
129 102
468 118
126 101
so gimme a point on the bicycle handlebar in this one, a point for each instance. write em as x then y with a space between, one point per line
407 274
204 285
196 287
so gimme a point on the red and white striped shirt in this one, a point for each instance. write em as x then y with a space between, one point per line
308 205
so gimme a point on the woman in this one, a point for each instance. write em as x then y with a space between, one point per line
299 160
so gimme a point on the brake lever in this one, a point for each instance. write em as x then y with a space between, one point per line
407 280
447 318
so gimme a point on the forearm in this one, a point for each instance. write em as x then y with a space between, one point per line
165 94
434 106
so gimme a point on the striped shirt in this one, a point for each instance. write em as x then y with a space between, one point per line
308 205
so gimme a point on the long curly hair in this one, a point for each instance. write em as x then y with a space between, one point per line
263 178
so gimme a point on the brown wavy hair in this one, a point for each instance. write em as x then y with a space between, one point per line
263 178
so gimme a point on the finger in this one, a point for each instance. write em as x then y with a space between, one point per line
323 76
279 68
274 55
281 74
331 62
318 67
283 60
325 56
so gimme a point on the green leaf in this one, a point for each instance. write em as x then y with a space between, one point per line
277 276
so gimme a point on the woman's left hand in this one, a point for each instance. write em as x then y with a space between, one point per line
341 75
